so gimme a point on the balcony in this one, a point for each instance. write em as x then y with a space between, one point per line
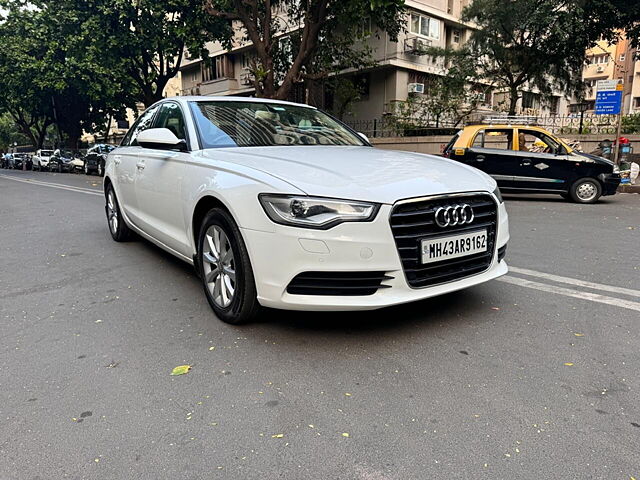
220 86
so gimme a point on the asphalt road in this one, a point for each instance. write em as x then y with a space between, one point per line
528 377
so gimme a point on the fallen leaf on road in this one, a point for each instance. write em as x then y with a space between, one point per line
495 308
347 394
212 348
277 435
568 364
345 434
181 370
579 334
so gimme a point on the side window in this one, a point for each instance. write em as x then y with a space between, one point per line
170 116
497 139
143 123
537 142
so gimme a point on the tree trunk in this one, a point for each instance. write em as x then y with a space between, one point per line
513 100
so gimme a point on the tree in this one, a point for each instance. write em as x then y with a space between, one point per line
146 40
537 44
10 134
305 40
23 98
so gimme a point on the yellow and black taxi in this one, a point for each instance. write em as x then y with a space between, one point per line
530 159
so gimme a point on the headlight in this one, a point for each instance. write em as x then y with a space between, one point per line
314 212
616 169
498 195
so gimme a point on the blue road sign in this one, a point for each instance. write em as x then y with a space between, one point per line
608 102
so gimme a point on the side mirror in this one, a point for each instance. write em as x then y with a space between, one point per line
161 139
364 137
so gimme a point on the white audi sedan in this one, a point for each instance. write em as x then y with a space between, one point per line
280 205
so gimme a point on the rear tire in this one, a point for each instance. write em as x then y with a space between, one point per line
586 190
225 269
119 230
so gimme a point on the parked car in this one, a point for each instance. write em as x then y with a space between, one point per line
95 158
6 160
529 159
61 161
77 162
41 160
280 205
22 158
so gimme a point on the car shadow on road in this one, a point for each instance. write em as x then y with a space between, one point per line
448 308
548 198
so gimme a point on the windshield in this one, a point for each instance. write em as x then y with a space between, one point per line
259 124
46 153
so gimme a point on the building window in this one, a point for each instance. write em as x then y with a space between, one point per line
554 104
456 36
598 59
636 102
363 29
214 69
425 26
530 100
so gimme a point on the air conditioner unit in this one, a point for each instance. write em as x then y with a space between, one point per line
416 45
600 69
416 87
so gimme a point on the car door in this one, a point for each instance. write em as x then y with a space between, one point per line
492 152
543 162
158 182
125 159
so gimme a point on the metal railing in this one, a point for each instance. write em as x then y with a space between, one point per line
588 124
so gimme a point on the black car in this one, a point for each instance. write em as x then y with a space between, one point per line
95 158
61 160
530 159
20 159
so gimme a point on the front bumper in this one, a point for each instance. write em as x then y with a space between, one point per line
610 183
277 257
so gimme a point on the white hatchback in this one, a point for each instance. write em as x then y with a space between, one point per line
279 205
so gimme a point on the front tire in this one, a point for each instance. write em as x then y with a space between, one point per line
225 269
586 190
119 230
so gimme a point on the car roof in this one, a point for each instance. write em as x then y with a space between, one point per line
469 132
234 99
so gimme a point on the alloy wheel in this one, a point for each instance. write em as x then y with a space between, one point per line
219 266
112 212
586 191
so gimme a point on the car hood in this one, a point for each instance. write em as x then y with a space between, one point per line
358 173
594 158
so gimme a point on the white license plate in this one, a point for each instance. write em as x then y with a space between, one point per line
454 246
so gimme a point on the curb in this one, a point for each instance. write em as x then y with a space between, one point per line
629 189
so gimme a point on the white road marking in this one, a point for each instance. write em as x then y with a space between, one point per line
60 186
575 282
568 292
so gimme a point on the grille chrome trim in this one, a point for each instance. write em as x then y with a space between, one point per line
420 224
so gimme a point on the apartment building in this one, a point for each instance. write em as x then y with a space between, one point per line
611 61
401 68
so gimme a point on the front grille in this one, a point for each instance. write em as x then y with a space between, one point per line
337 283
414 221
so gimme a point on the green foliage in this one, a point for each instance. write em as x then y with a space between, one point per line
10 134
533 44
631 124
307 40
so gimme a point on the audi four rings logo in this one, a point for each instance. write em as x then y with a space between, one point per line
454 215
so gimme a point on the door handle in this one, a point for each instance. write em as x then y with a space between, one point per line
140 165
480 158
117 159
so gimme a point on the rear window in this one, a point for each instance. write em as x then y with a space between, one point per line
447 150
